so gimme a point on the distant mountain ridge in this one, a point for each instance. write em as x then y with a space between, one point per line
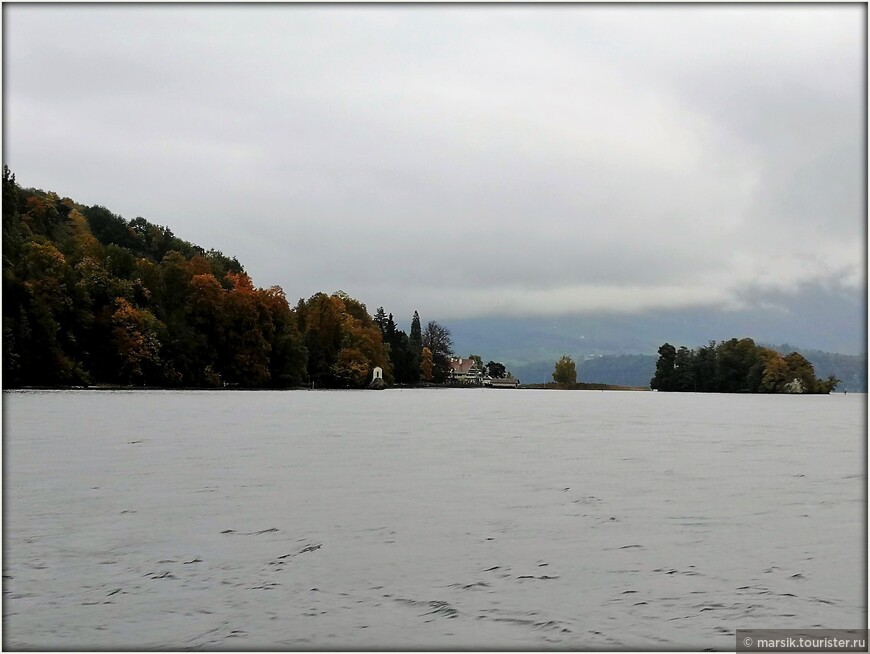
621 349
638 369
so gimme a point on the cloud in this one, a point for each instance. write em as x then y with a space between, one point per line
465 160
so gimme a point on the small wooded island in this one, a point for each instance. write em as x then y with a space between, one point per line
736 366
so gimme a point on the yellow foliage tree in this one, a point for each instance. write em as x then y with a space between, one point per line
565 372
774 374
352 367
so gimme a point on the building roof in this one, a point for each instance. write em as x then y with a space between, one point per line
461 366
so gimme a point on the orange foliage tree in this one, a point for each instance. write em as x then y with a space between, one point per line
426 364
136 341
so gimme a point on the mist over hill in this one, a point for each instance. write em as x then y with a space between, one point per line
826 326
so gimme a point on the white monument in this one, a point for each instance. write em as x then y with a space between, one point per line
377 381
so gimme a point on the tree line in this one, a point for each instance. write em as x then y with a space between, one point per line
736 366
92 298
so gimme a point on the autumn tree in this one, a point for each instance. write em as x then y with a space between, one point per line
351 369
287 354
203 332
136 343
798 368
426 365
773 372
244 358
321 326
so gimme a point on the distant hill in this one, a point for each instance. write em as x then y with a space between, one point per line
621 349
620 370
628 369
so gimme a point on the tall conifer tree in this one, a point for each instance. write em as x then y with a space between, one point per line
416 336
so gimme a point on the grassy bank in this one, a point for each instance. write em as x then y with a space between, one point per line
581 386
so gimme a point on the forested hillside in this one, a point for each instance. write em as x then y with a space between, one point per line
91 298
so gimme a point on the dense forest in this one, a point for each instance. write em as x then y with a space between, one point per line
91 298
736 366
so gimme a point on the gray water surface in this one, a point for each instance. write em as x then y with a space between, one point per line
447 519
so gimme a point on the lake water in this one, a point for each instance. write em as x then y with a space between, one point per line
438 519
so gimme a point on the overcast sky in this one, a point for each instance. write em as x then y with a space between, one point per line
463 160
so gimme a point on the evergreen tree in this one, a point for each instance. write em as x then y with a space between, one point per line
495 370
664 377
415 345
416 335
684 372
406 367
380 320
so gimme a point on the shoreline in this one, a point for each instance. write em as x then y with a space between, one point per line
114 387
581 386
